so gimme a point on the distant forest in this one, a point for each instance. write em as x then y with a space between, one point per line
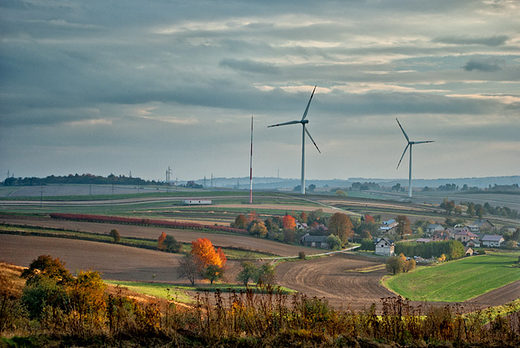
79 179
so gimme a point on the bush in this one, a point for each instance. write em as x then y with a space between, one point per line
301 255
115 235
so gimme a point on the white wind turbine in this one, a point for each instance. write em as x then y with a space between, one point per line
303 122
410 144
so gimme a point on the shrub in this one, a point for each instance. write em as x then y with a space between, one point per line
301 255
115 235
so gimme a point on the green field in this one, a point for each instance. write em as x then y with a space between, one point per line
459 280
160 290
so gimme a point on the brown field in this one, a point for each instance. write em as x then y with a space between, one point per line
344 280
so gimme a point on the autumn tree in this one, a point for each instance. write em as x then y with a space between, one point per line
240 222
289 223
395 264
210 262
404 226
341 226
257 228
303 217
160 241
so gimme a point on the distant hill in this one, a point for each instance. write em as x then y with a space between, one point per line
270 183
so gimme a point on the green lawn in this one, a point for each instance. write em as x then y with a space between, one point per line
160 290
459 280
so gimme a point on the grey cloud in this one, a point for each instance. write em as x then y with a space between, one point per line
481 66
250 66
486 41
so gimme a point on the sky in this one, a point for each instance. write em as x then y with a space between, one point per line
125 86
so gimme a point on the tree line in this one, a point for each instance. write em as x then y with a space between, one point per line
78 179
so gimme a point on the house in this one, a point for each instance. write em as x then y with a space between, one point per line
465 236
197 201
484 225
468 251
388 226
441 236
385 247
492 241
432 228
473 228
301 226
315 241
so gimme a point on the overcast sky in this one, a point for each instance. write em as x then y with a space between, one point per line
126 86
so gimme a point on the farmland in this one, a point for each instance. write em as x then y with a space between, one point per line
344 280
461 280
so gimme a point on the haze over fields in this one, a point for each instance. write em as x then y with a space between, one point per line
97 87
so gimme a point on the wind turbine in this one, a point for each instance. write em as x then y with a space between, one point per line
303 122
410 144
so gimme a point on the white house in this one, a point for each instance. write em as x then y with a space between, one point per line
385 247
492 241
197 201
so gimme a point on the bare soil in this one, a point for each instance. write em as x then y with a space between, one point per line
344 280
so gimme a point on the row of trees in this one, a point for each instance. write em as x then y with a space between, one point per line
452 249
78 179
285 228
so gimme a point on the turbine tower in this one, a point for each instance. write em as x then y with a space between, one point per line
303 122
410 144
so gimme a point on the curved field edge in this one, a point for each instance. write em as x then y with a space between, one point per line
457 281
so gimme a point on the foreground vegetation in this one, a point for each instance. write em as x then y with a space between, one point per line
55 309
460 280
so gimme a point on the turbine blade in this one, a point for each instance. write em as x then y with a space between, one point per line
309 134
308 104
423 142
405 135
283 124
406 148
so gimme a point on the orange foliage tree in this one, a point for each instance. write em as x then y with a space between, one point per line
160 241
206 255
289 223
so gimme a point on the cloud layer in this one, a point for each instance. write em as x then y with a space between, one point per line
120 86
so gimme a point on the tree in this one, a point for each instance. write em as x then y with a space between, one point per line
171 244
48 267
160 241
409 265
188 268
240 222
395 264
334 242
205 253
213 272
403 227
471 210
365 235
249 272
115 235
367 244
341 226
303 217
257 228
311 188
289 223
265 274
341 193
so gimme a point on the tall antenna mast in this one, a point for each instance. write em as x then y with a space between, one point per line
251 167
